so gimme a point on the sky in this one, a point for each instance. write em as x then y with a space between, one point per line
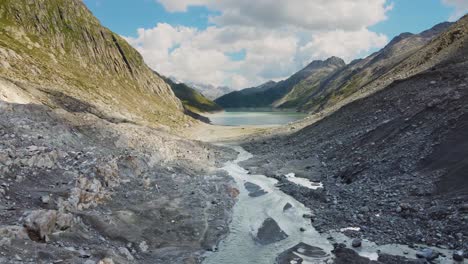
244 43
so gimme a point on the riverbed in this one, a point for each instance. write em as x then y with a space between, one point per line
294 235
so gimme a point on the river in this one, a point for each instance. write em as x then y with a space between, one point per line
241 246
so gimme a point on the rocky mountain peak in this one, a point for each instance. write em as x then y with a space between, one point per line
335 61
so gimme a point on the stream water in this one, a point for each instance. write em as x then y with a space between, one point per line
249 213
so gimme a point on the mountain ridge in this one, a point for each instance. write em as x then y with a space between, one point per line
69 52
269 93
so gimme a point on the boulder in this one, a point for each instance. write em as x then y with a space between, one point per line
254 190
302 253
40 224
356 242
270 232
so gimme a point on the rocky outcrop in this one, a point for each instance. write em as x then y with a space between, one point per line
79 188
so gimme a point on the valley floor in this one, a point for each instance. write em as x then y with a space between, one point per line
80 189
75 188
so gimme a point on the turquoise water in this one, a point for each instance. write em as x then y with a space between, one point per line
253 118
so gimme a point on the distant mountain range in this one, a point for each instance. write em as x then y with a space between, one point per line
323 84
209 91
192 99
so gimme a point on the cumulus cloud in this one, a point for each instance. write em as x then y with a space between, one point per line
308 14
278 38
461 8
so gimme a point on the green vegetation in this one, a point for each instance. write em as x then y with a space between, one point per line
192 99
60 45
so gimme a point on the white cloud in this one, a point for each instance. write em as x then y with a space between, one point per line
278 36
461 8
307 14
344 44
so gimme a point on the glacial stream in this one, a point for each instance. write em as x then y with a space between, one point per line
242 246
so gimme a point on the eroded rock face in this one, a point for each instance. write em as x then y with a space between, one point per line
41 223
270 232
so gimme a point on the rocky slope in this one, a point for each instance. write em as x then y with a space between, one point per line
286 92
61 48
360 73
91 170
76 188
339 84
393 163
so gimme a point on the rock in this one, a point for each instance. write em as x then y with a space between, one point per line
300 253
438 212
464 207
254 190
143 247
40 224
84 254
124 251
458 255
308 216
427 253
302 229
364 209
390 259
64 221
7 233
356 242
287 206
270 232
45 199
106 261
345 255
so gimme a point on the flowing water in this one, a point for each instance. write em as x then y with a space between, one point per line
240 246
249 214
254 117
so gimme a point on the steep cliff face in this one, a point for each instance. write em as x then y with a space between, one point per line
62 48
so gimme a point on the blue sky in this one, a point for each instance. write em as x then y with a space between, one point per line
126 16
242 43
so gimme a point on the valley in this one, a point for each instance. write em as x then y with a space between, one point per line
105 161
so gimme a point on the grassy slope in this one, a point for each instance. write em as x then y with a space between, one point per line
192 99
60 46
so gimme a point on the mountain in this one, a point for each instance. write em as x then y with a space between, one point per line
92 165
210 91
65 58
394 161
274 94
330 83
360 73
249 97
192 100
